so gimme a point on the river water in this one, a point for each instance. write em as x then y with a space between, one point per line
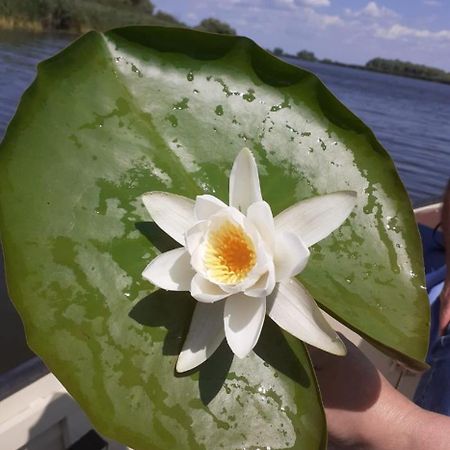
410 117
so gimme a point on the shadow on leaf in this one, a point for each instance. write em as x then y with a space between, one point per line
162 241
214 371
173 311
274 348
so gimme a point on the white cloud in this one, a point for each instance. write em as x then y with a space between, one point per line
268 14
287 4
399 31
192 16
325 20
282 11
315 3
373 11
298 3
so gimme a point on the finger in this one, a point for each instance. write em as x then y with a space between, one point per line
444 319
444 313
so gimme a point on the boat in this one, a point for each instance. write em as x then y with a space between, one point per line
36 412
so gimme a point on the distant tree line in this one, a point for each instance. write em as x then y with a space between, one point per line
409 69
303 54
81 15
391 66
215 26
307 55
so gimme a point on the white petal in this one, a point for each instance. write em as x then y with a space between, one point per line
229 214
243 321
294 310
244 181
206 206
172 213
264 286
205 291
195 235
197 259
314 219
260 215
291 256
171 270
205 335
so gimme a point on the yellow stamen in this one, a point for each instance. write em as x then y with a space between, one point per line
230 254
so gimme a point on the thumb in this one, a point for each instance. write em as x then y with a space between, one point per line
444 313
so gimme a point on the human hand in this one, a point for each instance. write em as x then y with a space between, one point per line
444 313
363 410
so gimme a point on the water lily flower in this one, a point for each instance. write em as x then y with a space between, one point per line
239 263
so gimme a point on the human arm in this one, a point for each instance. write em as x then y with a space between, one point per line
444 315
365 412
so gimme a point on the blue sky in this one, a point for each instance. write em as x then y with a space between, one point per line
352 31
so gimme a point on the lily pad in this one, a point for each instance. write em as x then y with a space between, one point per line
140 109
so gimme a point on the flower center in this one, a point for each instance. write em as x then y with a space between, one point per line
230 254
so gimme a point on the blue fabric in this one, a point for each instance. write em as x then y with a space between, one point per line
433 279
433 248
433 391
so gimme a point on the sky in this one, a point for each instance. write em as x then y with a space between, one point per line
351 31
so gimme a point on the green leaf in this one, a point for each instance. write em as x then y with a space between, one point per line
140 109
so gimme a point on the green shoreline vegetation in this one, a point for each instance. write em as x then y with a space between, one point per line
78 16
383 65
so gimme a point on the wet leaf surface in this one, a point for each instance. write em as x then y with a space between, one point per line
142 109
